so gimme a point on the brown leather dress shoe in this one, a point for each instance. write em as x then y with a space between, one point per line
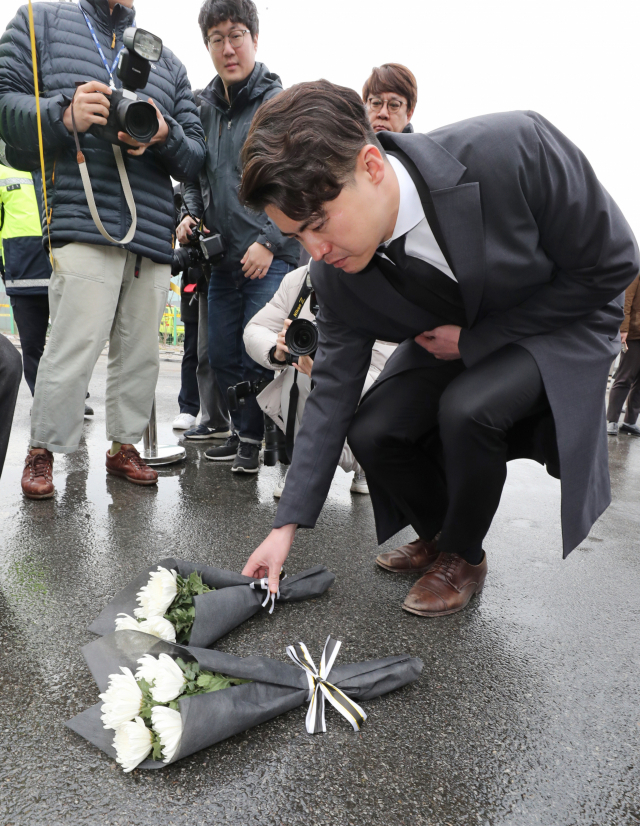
414 558
129 464
37 476
446 587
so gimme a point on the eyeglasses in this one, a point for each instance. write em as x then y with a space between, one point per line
393 105
216 43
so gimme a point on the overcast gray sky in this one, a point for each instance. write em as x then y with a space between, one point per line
574 61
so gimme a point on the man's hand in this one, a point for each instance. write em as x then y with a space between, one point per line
281 348
160 136
269 557
90 105
623 337
256 262
183 232
441 342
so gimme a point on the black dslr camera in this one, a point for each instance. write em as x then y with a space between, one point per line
275 448
127 112
302 336
202 249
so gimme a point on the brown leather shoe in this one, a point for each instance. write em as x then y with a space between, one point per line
129 464
414 558
37 476
446 587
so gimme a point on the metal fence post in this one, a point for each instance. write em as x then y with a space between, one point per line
155 454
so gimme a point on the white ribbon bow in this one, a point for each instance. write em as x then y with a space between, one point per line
319 688
263 584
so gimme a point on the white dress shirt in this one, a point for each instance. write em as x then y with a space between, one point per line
411 221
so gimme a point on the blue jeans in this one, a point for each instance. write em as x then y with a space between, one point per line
233 301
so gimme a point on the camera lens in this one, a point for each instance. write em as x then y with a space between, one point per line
302 337
138 119
181 260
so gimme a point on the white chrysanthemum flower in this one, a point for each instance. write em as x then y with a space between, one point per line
164 675
132 742
122 699
167 724
159 627
125 622
157 595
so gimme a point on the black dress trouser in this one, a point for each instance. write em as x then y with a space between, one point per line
435 440
189 396
10 377
626 386
31 313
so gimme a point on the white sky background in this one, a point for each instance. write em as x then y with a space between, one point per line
574 61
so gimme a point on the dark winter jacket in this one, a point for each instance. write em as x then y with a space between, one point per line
216 198
66 54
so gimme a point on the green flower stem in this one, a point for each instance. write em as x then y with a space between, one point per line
182 612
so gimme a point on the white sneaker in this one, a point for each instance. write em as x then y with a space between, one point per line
183 421
277 491
359 483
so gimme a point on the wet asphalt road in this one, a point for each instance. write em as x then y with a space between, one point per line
527 710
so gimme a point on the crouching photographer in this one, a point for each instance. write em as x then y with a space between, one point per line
280 337
112 132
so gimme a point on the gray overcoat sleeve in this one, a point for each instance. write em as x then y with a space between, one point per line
582 231
339 371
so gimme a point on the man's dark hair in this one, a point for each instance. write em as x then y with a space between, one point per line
214 12
302 149
392 77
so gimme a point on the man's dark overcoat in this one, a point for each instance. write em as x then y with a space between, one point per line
542 255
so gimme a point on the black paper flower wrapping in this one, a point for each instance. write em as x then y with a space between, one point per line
275 688
234 600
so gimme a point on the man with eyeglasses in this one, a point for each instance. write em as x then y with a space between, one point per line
390 95
257 255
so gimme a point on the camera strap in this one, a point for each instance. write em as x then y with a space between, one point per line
305 292
100 52
290 431
88 189
36 87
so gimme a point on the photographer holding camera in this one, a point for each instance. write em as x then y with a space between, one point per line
101 288
257 254
269 341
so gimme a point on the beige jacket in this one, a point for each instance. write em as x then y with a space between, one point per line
261 334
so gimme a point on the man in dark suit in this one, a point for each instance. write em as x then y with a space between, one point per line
490 250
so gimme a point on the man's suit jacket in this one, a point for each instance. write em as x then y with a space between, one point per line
542 255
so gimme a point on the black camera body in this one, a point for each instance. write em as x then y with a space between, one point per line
302 336
202 249
128 112
237 395
275 447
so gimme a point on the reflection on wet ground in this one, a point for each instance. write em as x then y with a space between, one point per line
526 712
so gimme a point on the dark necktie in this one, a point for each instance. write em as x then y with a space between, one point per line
422 284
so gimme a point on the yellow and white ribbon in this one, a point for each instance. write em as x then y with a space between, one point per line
319 687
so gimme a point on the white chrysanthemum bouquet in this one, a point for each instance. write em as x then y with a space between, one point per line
182 603
143 709
166 608
161 702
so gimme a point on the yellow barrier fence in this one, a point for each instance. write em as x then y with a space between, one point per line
8 315
171 326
